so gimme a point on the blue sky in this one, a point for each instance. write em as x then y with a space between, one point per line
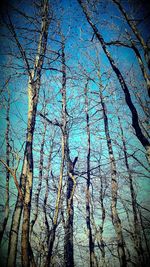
79 50
82 55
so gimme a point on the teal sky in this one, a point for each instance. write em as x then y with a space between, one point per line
79 50
82 55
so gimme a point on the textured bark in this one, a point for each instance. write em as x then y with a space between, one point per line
138 56
101 243
37 194
136 32
13 236
7 171
114 188
137 235
142 67
47 184
14 231
63 126
27 169
52 232
144 233
135 119
47 227
68 239
32 106
33 95
71 183
88 208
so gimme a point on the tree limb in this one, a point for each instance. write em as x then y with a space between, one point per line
13 173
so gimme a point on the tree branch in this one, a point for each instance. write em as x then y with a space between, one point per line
56 123
13 173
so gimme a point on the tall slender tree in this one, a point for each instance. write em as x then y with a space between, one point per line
135 118
88 196
7 140
137 232
135 30
37 194
26 179
114 184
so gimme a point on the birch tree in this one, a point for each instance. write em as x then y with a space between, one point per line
135 118
88 196
114 185
7 140
26 179
137 231
136 32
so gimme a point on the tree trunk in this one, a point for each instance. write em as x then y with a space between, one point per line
101 244
37 194
63 126
88 209
68 239
27 173
51 235
135 31
71 183
33 95
14 231
144 234
138 56
114 187
7 171
135 119
137 236
142 67
47 228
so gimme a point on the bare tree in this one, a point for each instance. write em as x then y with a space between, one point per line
135 30
133 46
88 209
77 189
7 140
137 232
37 194
135 118
26 179
114 185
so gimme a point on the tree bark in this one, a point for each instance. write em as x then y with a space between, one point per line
52 232
68 239
144 233
63 127
26 179
114 187
7 171
71 183
142 67
137 236
37 194
15 224
88 209
135 31
138 56
101 243
135 119
47 227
